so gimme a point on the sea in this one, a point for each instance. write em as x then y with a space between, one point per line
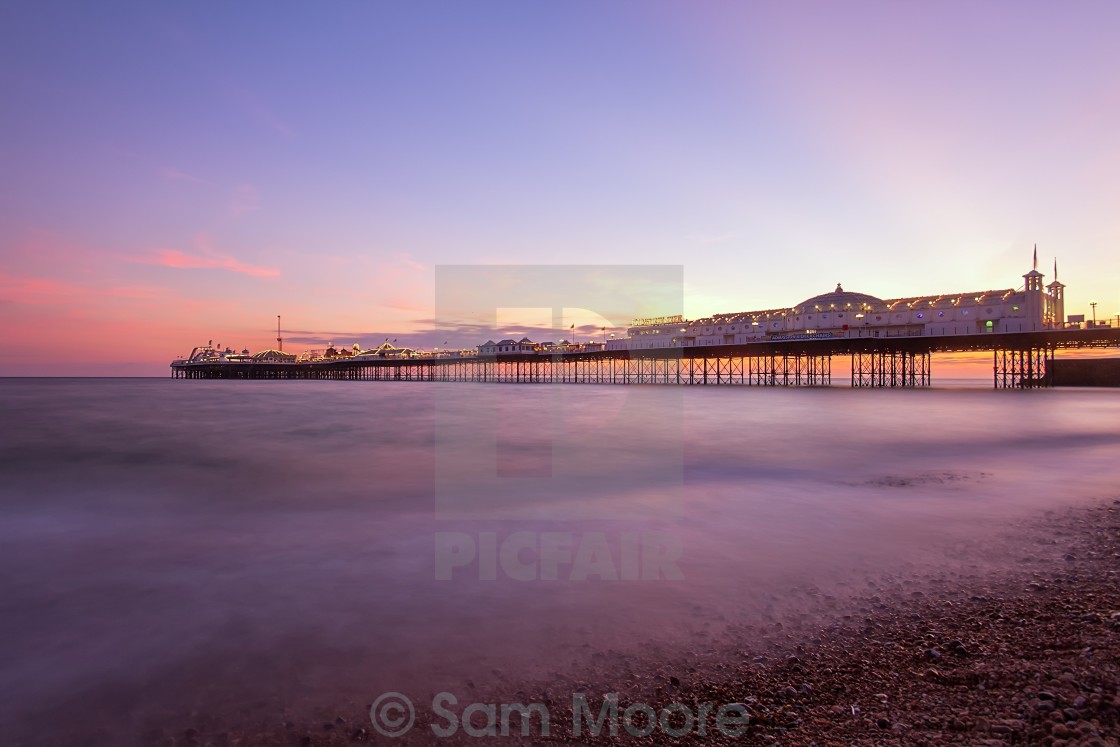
253 553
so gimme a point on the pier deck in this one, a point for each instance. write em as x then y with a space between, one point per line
1019 360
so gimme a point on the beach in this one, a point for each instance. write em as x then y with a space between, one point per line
1027 656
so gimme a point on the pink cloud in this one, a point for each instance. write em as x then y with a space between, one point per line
32 289
183 261
400 304
27 289
139 292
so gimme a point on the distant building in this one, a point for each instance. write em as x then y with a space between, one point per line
333 352
524 346
842 313
273 356
384 350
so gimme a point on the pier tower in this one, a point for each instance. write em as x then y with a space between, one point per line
1056 315
1034 297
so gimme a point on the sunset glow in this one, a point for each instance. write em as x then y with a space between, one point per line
179 174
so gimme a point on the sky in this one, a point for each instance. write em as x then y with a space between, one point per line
177 173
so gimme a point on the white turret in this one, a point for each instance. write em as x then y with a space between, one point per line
1057 301
1034 300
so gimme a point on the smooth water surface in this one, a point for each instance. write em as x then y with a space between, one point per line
257 548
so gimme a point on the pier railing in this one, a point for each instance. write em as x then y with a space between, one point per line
1020 360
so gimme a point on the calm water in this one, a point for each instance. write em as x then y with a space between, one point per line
242 548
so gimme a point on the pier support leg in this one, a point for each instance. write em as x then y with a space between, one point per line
1026 368
890 369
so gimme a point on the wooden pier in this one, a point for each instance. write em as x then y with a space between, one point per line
1019 360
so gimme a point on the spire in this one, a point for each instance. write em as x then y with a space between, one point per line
1035 257
1055 269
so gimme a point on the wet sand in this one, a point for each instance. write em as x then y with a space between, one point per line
1028 654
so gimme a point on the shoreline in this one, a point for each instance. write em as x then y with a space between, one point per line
1028 655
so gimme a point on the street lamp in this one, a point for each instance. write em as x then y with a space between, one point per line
1094 305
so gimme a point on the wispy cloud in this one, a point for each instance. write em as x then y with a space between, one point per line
252 105
408 261
35 289
206 258
398 304
174 175
137 292
23 288
183 261
244 200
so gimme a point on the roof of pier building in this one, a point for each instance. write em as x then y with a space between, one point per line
266 355
957 299
841 299
384 349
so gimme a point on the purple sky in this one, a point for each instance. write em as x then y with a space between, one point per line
181 172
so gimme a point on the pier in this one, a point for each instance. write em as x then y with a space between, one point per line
1019 360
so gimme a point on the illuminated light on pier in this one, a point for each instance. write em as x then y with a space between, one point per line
890 343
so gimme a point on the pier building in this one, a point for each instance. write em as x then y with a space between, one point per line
841 313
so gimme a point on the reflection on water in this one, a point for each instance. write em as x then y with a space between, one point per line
245 547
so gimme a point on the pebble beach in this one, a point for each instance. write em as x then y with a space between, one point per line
1030 655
